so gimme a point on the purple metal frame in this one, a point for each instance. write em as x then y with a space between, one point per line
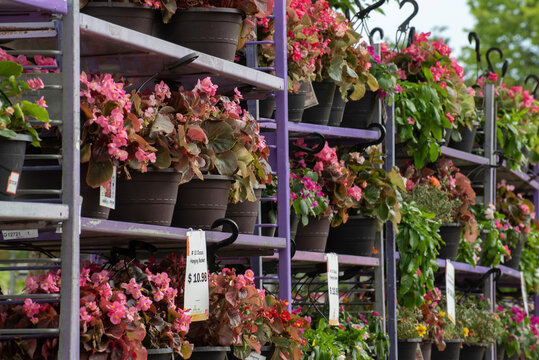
53 6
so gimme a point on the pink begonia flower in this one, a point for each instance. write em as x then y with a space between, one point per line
493 76
507 250
452 182
116 316
206 86
41 102
398 89
31 284
411 121
162 90
84 315
48 284
143 303
30 308
318 166
250 275
35 84
130 314
502 236
158 295
419 272
355 192
525 208
171 294
133 288
450 118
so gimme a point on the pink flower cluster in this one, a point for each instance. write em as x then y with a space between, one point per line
38 59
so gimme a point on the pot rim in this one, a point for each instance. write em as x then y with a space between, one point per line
454 224
213 9
111 4
357 217
211 348
19 137
412 340
453 341
475 344
166 350
213 177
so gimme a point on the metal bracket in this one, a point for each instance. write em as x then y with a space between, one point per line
312 151
381 137
212 249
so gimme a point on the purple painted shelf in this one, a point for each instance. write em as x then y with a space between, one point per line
306 259
328 131
52 6
461 158
522 182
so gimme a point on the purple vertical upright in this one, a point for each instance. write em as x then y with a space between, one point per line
70 295
281 118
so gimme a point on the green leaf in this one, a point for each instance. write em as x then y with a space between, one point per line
371 194
8 133
359 91
220 135
10 68
99 173
35 111
226 162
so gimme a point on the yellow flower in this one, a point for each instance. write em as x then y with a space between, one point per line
421 330
466 331
441 313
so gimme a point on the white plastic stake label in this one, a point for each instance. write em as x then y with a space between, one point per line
524 294
107 192
255 356
196 296
333 287
450 290
19 234
12 182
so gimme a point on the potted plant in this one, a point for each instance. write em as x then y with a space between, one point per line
520 214
481 328
519 337
448 194
529 261
138 15
449 342
16 130
218 24
309 204
374 193
418 241
410 332
378 340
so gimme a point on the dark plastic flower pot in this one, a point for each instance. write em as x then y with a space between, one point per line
355 237
407 348
245 213
451 352
426 349
12 152
265 351
148 198
131 16
296 104
200 203
210 353
160 354
294 222
516 254
467 142
472 351
90 203
450 234
268 216
358 114
213 31
319 114
266 107
40 175
337 109
314 236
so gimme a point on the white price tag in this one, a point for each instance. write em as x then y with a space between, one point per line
333 287
12 182
524 294
255 356
19 234
196 296
107 192
450 290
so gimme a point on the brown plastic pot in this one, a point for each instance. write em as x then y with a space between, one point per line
358 114
426 349
296 104
12 151
160 354
472 351
314 236
467 140
245 213
210 353
407 348
355 237
213 31
90 198
147 198
201 202
451 352
319 114
450 234
131 16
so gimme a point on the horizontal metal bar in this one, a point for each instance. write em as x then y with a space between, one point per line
37 336
28 331
264 68
37 267
42 157
256 42
42 168
28 261
18 210
37 301
51 122
45 67
39 192
29 296
35 52
268 199
266 225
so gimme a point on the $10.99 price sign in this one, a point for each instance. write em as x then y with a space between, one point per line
196 296
333 287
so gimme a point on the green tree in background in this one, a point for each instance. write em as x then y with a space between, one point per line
511 25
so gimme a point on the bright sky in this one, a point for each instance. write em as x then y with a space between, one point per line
432 13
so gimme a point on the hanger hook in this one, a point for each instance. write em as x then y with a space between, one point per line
363 13
489 51
319 146
378 30
536 85
471 37
404 25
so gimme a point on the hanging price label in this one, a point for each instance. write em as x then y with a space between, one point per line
196 296
255 356
107 192
333 287
450 290
524 294
19 234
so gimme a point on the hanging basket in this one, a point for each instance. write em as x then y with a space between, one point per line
132 16
450 234
319 114
472 351
314 236
451 352
467 140
355 237
160 354
245 213
407 348
12 151
358 114
296 104
337 109
210 353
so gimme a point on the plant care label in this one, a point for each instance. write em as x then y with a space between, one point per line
310 97
524 294
450 290
107 192
12 182
196 296
255 356
19 234
333 287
